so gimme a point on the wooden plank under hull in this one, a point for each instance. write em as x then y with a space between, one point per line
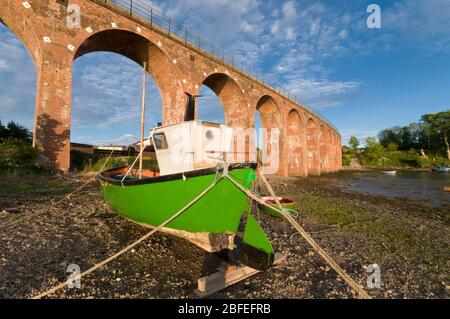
228 275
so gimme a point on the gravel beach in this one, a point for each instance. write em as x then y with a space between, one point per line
39 239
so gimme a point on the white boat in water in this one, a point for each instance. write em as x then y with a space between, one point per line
389 172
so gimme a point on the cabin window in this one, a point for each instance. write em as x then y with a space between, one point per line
160 141
209 135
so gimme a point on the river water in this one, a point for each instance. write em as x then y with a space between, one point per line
421 186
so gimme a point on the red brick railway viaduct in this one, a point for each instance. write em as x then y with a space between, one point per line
309 145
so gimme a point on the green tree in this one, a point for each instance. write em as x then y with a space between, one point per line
3 131
392 147
346 160
417 131
406 138
390 135
18 131
439 125
16 153
374 151
354 143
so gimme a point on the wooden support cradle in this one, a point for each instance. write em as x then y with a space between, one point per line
228 275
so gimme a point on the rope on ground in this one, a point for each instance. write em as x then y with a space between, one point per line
353 284
67 196
68 178
137 242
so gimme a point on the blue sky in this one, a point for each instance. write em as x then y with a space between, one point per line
362 80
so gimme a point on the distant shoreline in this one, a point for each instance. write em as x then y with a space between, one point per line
379 169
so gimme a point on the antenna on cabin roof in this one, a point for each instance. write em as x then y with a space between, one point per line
141 157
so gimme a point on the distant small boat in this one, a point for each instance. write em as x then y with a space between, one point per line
388 172
441 169
285 202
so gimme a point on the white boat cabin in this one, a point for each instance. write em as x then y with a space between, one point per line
191 146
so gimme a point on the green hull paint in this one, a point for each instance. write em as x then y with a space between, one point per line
258 251
219 211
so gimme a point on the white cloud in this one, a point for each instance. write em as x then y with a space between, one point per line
275 27
321 93
290 34
3 65
421 23
289 10
343 34
249 28
17 80
314 27
294 36
209 106
108 94
125 139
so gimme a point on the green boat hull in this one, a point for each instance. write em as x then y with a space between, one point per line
151 201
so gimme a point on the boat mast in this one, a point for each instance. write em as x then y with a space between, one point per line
142 120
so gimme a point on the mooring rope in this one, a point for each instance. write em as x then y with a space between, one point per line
68 178
135 243
353 284
67 196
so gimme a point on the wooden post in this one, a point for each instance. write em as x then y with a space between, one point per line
144 82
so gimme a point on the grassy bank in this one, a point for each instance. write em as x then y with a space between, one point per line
33 184
88 163
394 159
20 158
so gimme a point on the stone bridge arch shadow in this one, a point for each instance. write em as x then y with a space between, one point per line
272 155
140 49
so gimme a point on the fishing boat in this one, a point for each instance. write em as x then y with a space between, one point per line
192 156
286 203
388 172
441 169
